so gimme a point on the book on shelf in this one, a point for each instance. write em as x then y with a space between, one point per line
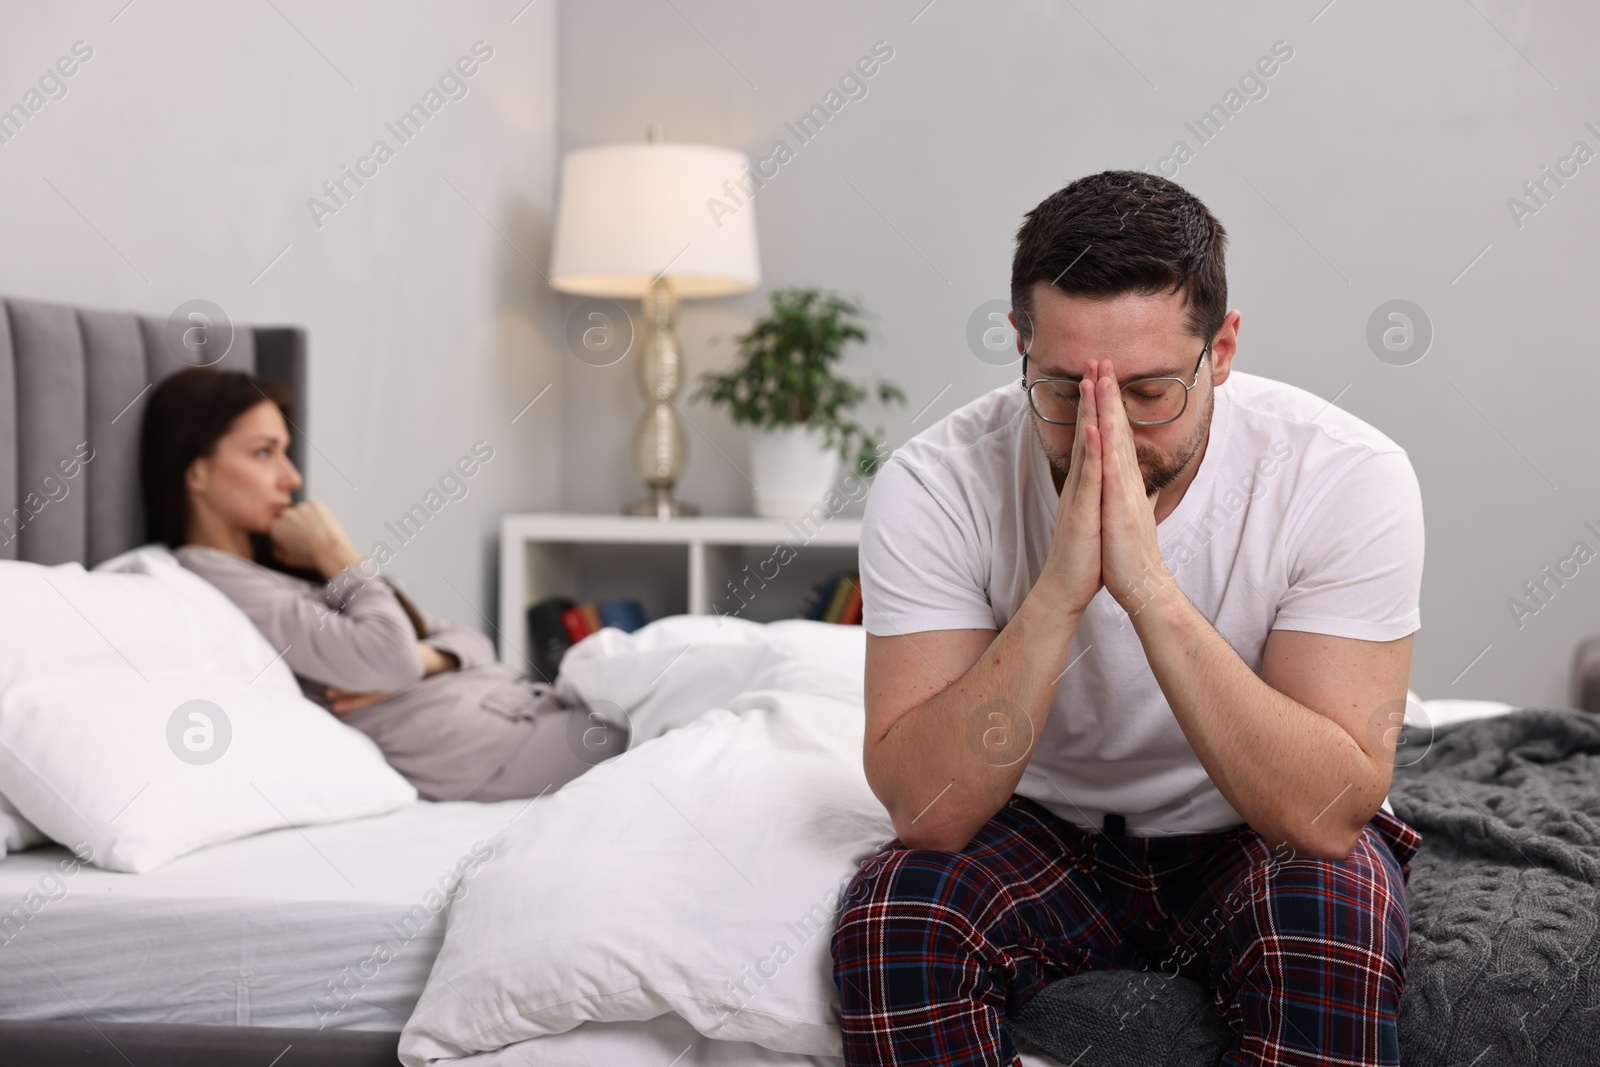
836 603
851 615
577 626
556 623
548 637
837 598
591 617
625 615
817 599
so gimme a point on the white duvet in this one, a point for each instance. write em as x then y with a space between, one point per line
678 668
699 874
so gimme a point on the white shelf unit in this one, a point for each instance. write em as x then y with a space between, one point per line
572 555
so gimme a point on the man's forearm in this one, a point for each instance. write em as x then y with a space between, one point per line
1294 775
948 765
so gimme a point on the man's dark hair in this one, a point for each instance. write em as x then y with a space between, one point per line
1123 231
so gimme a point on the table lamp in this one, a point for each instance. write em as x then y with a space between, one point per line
637 221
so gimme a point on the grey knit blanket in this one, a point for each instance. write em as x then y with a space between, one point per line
1504 901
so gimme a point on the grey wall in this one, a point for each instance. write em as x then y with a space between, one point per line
1378 166
179 164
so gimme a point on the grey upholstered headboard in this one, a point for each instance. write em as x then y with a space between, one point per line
72 387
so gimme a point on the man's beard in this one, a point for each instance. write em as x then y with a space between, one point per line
1160 469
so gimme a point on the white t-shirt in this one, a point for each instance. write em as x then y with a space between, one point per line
1301 517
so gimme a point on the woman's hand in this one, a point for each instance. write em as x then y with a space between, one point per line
434 661
344 701
307 535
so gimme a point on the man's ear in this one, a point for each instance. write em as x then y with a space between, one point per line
1223 347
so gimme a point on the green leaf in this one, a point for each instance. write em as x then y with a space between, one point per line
784 373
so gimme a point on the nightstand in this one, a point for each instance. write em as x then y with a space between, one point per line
756 569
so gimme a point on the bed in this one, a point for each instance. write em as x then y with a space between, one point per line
271 930
633 917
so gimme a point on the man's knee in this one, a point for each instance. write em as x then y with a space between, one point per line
915 894
1315 964
1319 907
919 878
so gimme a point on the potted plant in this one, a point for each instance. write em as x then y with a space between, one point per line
785 386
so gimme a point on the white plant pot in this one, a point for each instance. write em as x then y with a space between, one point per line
792 470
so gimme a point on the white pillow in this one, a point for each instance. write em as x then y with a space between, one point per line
16 833
657 882
677 668
236 646
98 748
1438 713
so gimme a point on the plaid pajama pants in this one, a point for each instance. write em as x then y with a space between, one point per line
1305 957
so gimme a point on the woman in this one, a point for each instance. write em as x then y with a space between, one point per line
218 489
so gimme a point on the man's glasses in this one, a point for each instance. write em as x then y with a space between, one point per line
1149 401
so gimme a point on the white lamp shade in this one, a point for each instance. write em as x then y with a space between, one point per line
630 212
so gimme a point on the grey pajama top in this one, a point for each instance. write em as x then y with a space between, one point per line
450 734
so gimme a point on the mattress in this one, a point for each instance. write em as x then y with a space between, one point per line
664 1040
312 927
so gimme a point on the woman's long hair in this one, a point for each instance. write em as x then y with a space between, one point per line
188 413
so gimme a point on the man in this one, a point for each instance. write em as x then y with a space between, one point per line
1138 640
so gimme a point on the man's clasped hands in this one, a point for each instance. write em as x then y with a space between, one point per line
1105 523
